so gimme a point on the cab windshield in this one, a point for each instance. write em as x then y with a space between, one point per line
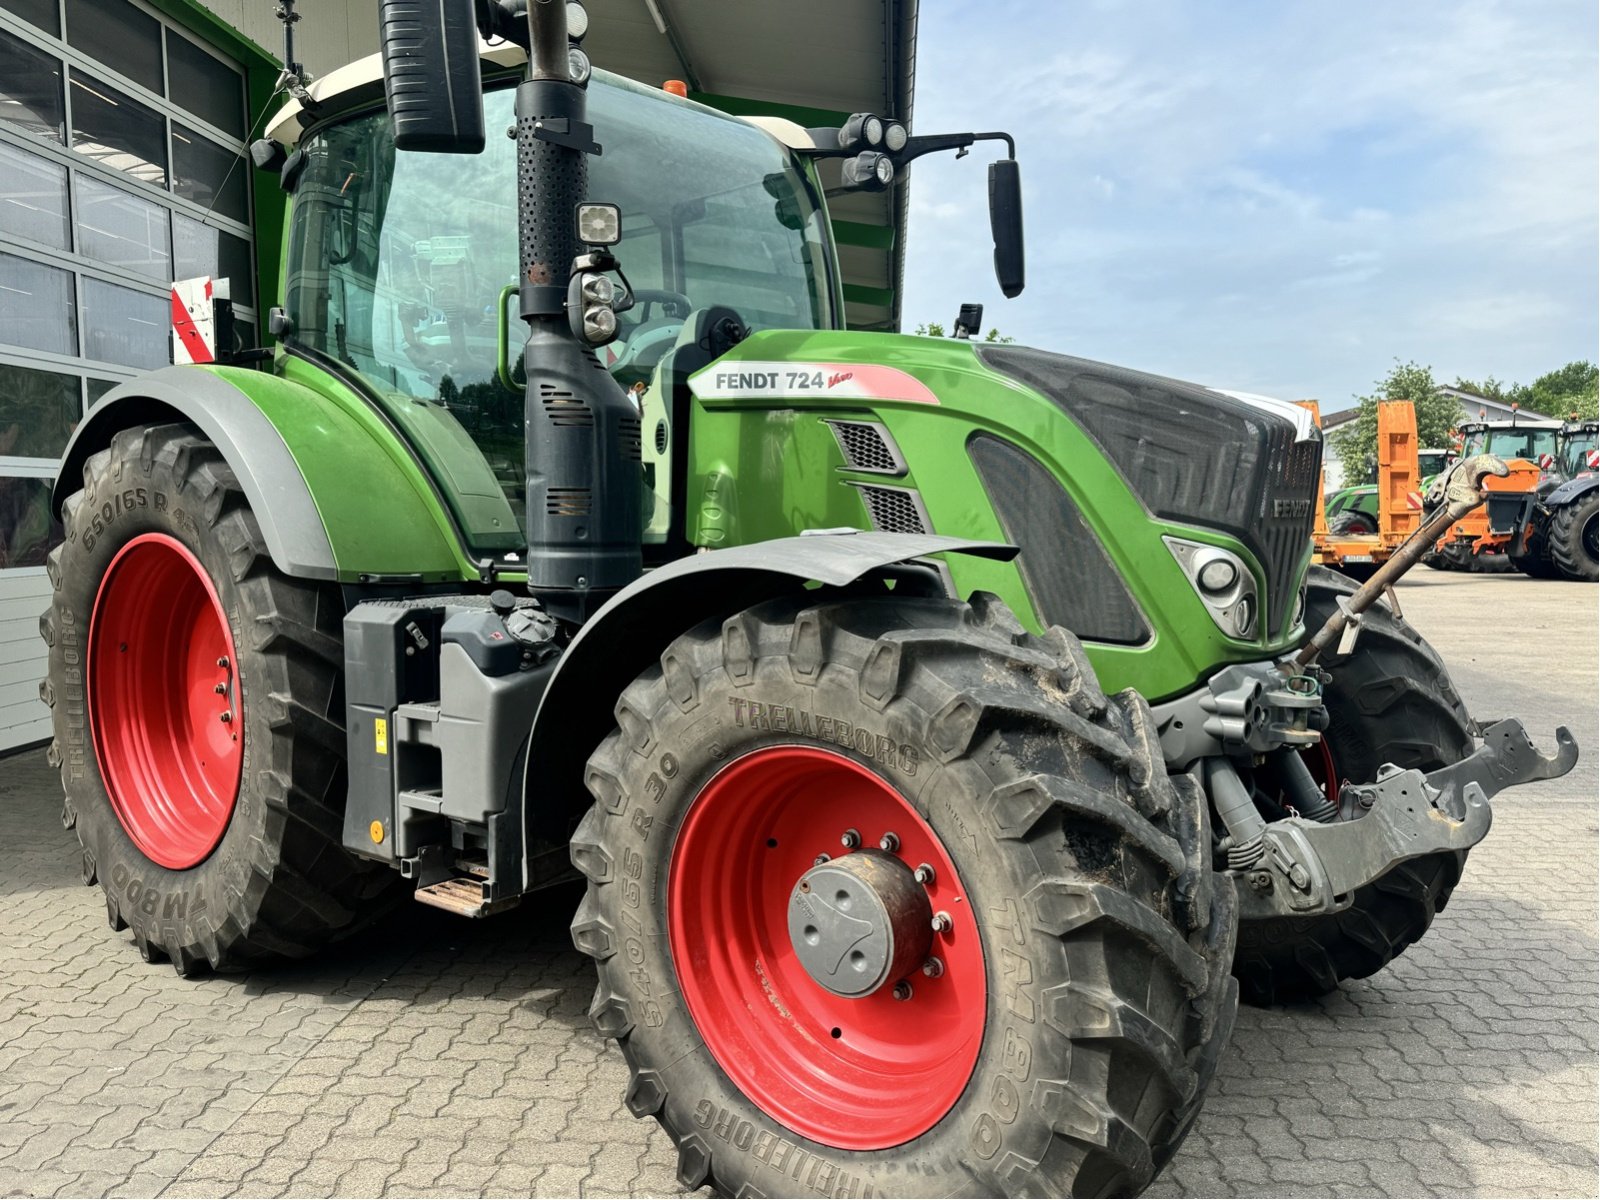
399 264
1575 452
1513 443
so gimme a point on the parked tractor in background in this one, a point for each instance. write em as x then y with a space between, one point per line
1556 521
1482 540
1355 509
936 725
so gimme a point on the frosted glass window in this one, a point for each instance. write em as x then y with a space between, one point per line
33 198
36 306
123 326
122 230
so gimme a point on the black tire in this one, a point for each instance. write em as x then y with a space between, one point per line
1534 561
1390 701
1572 539
1351 521
1090 865
278 884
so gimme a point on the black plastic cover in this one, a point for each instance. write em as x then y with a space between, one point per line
1070 578
1191 455
431 75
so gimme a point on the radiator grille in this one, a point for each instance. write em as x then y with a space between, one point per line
868 447
895 510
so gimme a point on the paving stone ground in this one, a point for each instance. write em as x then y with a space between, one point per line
438 1057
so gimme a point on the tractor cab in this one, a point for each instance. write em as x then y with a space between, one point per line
1578 455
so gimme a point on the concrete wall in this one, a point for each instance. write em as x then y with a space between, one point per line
329 34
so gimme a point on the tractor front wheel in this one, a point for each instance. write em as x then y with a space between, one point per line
888 898
1390 701
198 715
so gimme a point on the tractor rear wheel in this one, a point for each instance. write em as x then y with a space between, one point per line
1390 701
198 715
887 897
1573 535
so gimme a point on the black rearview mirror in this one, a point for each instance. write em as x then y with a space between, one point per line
431 76
1005 222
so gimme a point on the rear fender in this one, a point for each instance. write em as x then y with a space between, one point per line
633 629
333 502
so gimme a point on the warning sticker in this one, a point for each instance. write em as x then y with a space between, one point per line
380 736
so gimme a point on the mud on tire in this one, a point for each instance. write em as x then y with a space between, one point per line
279 883
1105 937
1390 701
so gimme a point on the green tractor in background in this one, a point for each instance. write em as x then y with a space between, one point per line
1354 509
923 716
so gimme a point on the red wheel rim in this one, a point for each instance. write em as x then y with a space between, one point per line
159 648
856 1074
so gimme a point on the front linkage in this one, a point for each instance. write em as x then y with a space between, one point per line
1265 714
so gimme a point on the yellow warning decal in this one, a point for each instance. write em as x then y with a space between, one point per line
380 736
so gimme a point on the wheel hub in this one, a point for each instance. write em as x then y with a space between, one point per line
860 923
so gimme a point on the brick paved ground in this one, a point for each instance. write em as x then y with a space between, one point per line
440 1057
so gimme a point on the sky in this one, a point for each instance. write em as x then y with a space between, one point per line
1278 197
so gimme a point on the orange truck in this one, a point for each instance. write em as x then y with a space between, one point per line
1358 555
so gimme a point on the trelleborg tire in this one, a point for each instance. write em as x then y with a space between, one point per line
1572 539
1082 997
197 703
1390 701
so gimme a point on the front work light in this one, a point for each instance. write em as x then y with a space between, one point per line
868 171
599 224
861 131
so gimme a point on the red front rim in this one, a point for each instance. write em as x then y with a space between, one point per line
856 1074
167 738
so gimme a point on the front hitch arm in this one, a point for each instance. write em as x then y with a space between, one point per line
1310 868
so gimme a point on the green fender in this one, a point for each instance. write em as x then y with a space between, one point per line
337 494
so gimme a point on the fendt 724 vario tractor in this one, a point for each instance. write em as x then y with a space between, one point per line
915 864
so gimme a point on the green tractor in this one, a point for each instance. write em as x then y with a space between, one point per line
1354 509
923 716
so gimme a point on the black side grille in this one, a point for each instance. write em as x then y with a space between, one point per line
867 447
565 409
894 510
632 442
1071 580
1191 454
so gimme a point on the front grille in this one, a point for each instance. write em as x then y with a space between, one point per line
1191 455
867 447
895 510
1069 577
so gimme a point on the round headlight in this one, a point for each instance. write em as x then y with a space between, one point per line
598 289
1244 616
578 66
577 20
599 323
894 137
1218 575
885 171
872 131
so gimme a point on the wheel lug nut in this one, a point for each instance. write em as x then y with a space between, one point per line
941 922
226 718
221 689
223 661
819 860
850 840
923 874
933 968
889 843
902 990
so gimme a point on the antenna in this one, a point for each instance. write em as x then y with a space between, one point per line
293 76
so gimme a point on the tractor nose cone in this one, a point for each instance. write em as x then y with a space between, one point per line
860 922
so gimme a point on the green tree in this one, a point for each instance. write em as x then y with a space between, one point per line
1491 388
1356 442
1569 389
934 329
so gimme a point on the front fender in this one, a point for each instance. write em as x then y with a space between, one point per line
333 502
633 629
1571 490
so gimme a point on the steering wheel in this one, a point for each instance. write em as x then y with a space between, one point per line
673 304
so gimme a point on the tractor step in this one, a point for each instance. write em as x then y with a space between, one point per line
464 896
